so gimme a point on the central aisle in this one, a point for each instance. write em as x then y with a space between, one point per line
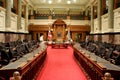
60 65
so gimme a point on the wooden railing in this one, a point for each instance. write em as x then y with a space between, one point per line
88 67
33 67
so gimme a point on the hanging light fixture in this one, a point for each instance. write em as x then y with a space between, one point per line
68 1
43 1
74 1
50 1
59 1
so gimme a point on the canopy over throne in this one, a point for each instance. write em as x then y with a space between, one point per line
59 30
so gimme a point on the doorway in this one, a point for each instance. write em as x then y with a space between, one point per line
78 37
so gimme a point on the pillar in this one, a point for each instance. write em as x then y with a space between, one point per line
110 15
99 15
8 14
19 15
26 18
92 20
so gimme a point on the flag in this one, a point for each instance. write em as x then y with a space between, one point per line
49 35
68 35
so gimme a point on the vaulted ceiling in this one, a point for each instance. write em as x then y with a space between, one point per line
60 6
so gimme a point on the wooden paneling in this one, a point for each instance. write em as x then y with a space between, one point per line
74 29
81 38
49 17
99 38
103 6
4 3
95 12
60 26
115 4
16 6
35 37
38 28
23 11
59 32
80 28
111 38
68 17
31 17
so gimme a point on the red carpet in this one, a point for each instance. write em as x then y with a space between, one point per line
60 65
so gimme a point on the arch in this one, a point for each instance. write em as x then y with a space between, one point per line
59 22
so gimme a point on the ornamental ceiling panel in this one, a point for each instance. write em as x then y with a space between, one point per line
60 6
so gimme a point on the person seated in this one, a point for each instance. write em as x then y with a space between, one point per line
41 38
4 58
16 76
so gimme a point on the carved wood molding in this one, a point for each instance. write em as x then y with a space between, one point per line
38 28
82 28
72 28
59 22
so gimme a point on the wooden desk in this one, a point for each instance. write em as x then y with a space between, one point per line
28 65
59 45
95 66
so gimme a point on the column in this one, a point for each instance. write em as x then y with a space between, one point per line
19 15
8 14
26 18
92 20
32 11
110 15
86 12
99 15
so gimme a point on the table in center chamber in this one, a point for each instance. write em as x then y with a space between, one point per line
60 44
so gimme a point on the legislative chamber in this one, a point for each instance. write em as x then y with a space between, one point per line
54 39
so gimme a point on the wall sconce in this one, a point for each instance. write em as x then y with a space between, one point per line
66 29
51 29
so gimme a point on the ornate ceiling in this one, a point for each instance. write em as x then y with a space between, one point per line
60 6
